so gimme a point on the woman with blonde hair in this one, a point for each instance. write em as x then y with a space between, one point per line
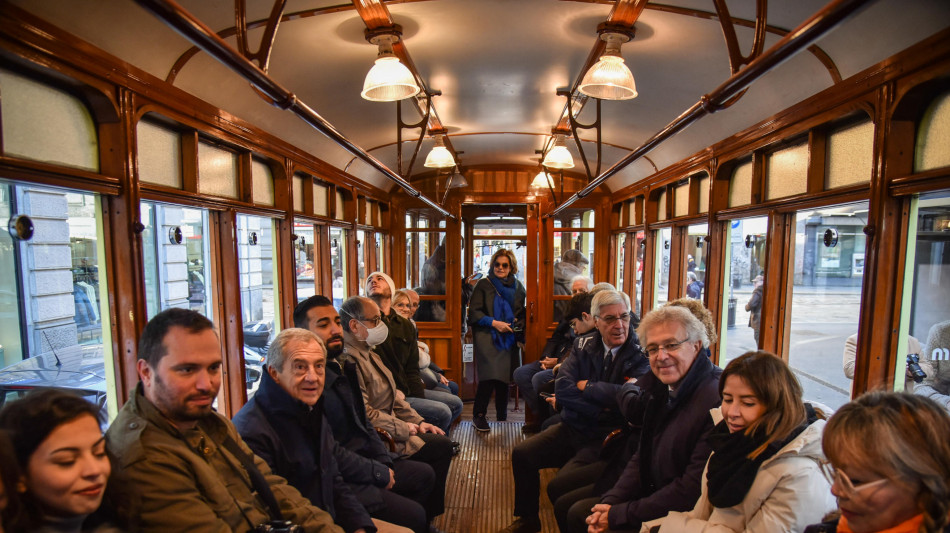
765 470
889 460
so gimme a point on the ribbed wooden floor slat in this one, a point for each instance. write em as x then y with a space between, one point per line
480 490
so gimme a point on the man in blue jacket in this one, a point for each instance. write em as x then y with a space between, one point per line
586 393
284 424
390 487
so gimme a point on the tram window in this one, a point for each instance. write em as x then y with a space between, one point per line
640 249
745 264
303 259
262 183
381 252
573 256
259 292
299 182
361 259
54 314
696 250
158 151
621 260
338 265
340 206
787 172
925 311
661 287
931 149
321 200
426 274
217 171
176 255
826 297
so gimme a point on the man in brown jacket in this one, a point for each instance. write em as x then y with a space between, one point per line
188 464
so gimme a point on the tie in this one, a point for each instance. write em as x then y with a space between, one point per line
608 359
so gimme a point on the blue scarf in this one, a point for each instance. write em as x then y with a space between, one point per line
501 311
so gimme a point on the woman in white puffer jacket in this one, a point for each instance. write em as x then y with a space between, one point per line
764 474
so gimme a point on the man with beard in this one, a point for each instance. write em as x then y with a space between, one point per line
400 353
386 407
390 487
190 467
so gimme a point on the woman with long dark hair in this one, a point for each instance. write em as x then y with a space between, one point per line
66 483
496 315
765 470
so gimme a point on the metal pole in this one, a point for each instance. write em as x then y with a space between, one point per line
797 40
205 38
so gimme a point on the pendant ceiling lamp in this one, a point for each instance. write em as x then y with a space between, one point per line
542 180
388 80
558 156
609 78
456 180
439 157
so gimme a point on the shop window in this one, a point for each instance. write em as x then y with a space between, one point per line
743 280
43 123
828 271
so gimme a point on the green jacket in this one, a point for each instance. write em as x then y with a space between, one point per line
186 482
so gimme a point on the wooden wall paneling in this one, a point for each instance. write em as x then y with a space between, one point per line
677 262
535 326
245 188
323 271
649 266
189 161
817 151
227 296
777 293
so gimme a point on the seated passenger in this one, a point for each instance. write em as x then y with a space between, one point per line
187 463
532 376
672 405
936 385
390 487
432 376
572 265
400 353
889 461
66 481
703 315
913 347
765 470
284 425
386 406
586 392
581 284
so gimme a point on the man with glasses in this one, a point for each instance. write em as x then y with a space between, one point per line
586 393
672 406
386 406
400 353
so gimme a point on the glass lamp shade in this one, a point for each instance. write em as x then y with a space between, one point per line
439 157
542 180
609 79
456 180
559 157
389 80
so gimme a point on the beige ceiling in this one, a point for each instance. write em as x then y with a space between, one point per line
498 64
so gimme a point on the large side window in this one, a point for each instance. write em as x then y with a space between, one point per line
54 315
744 284
259 293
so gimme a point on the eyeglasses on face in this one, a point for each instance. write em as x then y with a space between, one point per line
502 265
670 347
415 305
403 305
848 489
373 320
611 320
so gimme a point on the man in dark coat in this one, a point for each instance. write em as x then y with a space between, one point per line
284 424
672 404
586 392
390 487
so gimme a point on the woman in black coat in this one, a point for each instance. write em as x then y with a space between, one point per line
496 315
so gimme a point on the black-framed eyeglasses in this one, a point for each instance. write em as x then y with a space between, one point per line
670 347
611 320
373 320
502 265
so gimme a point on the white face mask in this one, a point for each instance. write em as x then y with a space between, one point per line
376 336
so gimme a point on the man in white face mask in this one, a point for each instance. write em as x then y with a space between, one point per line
386 406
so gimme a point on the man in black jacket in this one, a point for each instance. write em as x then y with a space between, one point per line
586 392
391 488
284 425
672 404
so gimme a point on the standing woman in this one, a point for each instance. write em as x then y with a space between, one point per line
65 471
889 458
496 315
765 471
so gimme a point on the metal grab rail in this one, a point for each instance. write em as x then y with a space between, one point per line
797 40
205 38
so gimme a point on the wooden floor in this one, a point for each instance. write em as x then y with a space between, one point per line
479 492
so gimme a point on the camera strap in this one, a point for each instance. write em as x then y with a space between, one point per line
257 478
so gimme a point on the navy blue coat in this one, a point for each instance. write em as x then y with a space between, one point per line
594 411
297 443
363 458
666 473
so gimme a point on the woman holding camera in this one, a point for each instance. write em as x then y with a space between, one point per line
66 484
765 470
889 460
496 315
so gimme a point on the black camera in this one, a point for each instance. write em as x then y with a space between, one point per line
913 368
278 526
